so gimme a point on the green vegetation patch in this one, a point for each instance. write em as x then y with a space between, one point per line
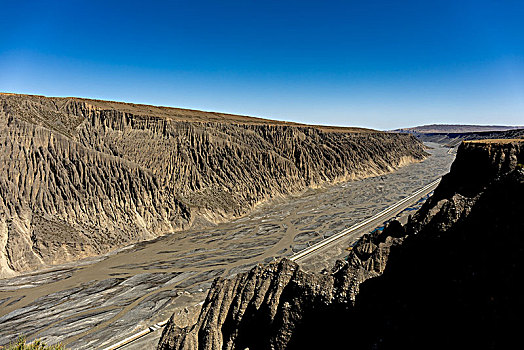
21 344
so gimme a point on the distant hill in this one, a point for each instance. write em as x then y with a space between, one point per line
450 136
456 128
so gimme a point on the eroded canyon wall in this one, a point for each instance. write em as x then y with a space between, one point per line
82 177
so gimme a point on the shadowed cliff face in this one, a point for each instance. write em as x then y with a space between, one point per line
450 278
458 279
81 177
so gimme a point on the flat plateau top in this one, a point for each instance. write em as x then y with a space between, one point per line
178 114
492 141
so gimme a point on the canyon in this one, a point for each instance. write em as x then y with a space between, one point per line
80 178
453 135
448 278
99 301
115 216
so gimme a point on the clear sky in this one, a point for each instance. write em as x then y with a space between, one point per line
379 64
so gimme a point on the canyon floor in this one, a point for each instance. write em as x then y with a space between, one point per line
99 301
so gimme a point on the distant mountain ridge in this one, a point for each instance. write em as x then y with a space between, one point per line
456 128
429 133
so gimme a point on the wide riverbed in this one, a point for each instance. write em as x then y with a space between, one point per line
96 302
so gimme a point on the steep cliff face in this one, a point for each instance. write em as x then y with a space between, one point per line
457 279
451 277
81 177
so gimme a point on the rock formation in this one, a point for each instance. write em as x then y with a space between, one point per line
450 278
81 177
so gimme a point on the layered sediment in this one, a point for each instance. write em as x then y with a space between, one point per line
82 177
450 278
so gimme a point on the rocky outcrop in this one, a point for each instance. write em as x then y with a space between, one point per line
261 309
82 177
457 278
279 305
450 278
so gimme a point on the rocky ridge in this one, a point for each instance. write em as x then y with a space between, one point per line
453 139
82 177
457 129
450 278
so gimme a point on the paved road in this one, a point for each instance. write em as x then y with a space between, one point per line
358 230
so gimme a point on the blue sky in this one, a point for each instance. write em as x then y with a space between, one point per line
379 64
